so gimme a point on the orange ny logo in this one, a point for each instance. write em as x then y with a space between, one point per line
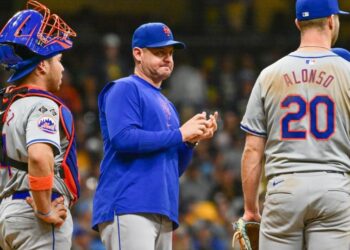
167 31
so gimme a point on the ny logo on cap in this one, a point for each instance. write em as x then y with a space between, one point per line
167 31
306 14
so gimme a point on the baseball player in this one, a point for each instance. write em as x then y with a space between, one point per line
38 142
136 200
298 116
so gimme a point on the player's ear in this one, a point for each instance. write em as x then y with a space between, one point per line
137 53
42 67
297 23
331 21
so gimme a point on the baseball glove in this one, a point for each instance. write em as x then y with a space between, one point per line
247 234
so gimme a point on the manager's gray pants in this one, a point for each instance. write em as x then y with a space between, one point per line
306 211
137 232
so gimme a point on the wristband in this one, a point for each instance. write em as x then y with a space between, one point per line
191 145
43 214
40 183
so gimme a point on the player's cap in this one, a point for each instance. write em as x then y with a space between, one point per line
154 35
31 36
313 9
344 53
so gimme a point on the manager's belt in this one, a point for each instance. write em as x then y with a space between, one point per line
22 195
310 171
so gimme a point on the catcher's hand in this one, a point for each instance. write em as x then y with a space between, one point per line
247 234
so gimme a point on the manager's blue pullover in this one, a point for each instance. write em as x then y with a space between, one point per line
144 155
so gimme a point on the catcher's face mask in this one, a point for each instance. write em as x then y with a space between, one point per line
42 33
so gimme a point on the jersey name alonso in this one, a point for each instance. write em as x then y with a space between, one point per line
301 104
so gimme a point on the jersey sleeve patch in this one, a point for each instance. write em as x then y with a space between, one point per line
47 124
43 109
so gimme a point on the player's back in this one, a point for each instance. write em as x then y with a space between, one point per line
302 105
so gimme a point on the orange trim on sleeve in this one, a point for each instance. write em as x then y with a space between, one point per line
41 183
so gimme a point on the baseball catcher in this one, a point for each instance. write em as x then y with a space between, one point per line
38 147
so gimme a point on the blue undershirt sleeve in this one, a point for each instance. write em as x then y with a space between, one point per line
124 122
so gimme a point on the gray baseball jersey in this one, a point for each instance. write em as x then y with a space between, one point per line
301 104
32 120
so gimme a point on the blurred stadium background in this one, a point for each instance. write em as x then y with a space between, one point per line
229 42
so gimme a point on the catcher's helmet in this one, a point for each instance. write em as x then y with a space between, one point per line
30 36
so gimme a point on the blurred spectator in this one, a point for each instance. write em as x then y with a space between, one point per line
182 239
110 66
237 12
246 77
69 94
205 225
81 238
84 238
89 85
187 85
194 186
84 161
247 85
265 13
228 85
203 210
248 68
230 132
208 68
228 210
207 236
227 183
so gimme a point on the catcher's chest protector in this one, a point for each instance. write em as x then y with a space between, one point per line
69 168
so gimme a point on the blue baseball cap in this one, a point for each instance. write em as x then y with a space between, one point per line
154 35
342 53
313 9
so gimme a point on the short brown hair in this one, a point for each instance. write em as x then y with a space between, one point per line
319 23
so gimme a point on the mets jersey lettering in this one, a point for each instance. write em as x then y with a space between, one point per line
319 77
302 108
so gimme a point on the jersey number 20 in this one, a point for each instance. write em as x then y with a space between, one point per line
311 110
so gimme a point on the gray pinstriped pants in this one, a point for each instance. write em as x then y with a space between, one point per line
21 229
137 232
306 211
